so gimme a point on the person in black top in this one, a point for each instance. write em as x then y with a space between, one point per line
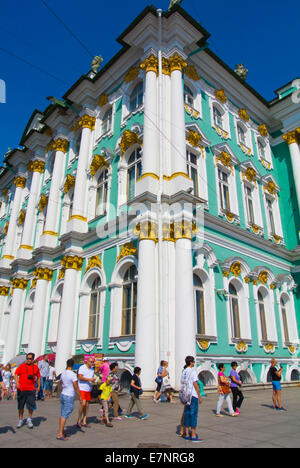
276 378
135 392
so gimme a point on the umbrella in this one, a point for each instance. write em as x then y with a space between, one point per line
17 360
51 357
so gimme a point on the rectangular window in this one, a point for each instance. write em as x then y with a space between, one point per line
224 190
199 298
236 329
271 215
94 316
249 205
263 323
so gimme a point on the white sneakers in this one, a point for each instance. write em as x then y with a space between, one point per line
28 423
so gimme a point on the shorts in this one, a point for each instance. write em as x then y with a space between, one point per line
26 398
66 406
49 385
86 396
158 388
276 386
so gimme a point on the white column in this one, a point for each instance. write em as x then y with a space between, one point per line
15 320
9 250
185 323
78 220
178 149
26 247
292 139
68 312
146 355
49 237
39 315
4 290
150 138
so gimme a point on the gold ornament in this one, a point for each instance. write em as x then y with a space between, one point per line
263 130
19 283
150 64
292 137
241 347
263 277
20 182
69 183
4 290
194 138
86 121
244 115
236 269
129 138
177 63
43 274
220 95
191 72
36 166
132 74
98 162
127 250
43 202
93 263
22 217
70 262
103 100
203 344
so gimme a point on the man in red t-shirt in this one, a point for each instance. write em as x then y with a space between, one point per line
26 376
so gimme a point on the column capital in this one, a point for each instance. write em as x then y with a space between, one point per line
184 230
147 230
150 64
59 144
72 262
292 136
36 166
4 290
87 121
177 63
43 274
20 182
19 283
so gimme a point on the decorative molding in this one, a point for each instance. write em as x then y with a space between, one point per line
243 114
93 263
103 100
97 163
43 202
58 145
292 137
22 217
4 290
194 138
132 74
203 344
263 130
147 230
127 250
19 283
86 121
236 269
69 183
43 274
191 72
129 139
220 95
241 347
269 348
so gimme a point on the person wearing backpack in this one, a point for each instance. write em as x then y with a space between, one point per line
190 396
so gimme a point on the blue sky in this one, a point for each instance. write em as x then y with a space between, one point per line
39 58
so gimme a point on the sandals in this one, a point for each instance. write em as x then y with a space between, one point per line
62 439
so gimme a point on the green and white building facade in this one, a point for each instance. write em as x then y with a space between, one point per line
158 216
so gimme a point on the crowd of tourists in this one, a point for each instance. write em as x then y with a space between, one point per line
34 381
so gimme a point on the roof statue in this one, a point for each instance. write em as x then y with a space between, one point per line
174 2
241 71
96 63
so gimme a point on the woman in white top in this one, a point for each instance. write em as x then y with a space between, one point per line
69 389
6 375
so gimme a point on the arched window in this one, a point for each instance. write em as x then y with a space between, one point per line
106 122
94 315
218 117
262 316
224 190
261 149
284 313
55 314
249 204
188 96
199 305
129 301
134 172
101 193
192 170
234 311
136 97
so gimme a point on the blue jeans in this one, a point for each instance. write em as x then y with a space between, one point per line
66 406
191 413
42 388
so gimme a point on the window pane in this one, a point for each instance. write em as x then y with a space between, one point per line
285 325
263 323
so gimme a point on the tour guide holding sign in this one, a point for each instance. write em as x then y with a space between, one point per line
26 376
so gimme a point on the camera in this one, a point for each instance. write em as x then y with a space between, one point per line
30 377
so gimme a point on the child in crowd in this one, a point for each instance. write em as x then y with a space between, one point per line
106 389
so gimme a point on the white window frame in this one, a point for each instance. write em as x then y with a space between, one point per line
128 90
223 132
269 304
246 147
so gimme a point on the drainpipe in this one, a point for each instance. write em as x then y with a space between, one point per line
159 195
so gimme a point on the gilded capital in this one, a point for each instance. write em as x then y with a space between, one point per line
4 290
184 230
20 182
150 64
70 262
166 66
19 283
36 166
177 63
86 121
103 100
59 145
43 274
292 137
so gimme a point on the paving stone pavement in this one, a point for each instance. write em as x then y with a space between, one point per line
259 426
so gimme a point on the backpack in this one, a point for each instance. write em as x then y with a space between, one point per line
184 396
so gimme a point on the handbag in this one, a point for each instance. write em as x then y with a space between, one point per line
166 384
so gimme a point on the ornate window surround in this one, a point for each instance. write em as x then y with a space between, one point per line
128 89
223 108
